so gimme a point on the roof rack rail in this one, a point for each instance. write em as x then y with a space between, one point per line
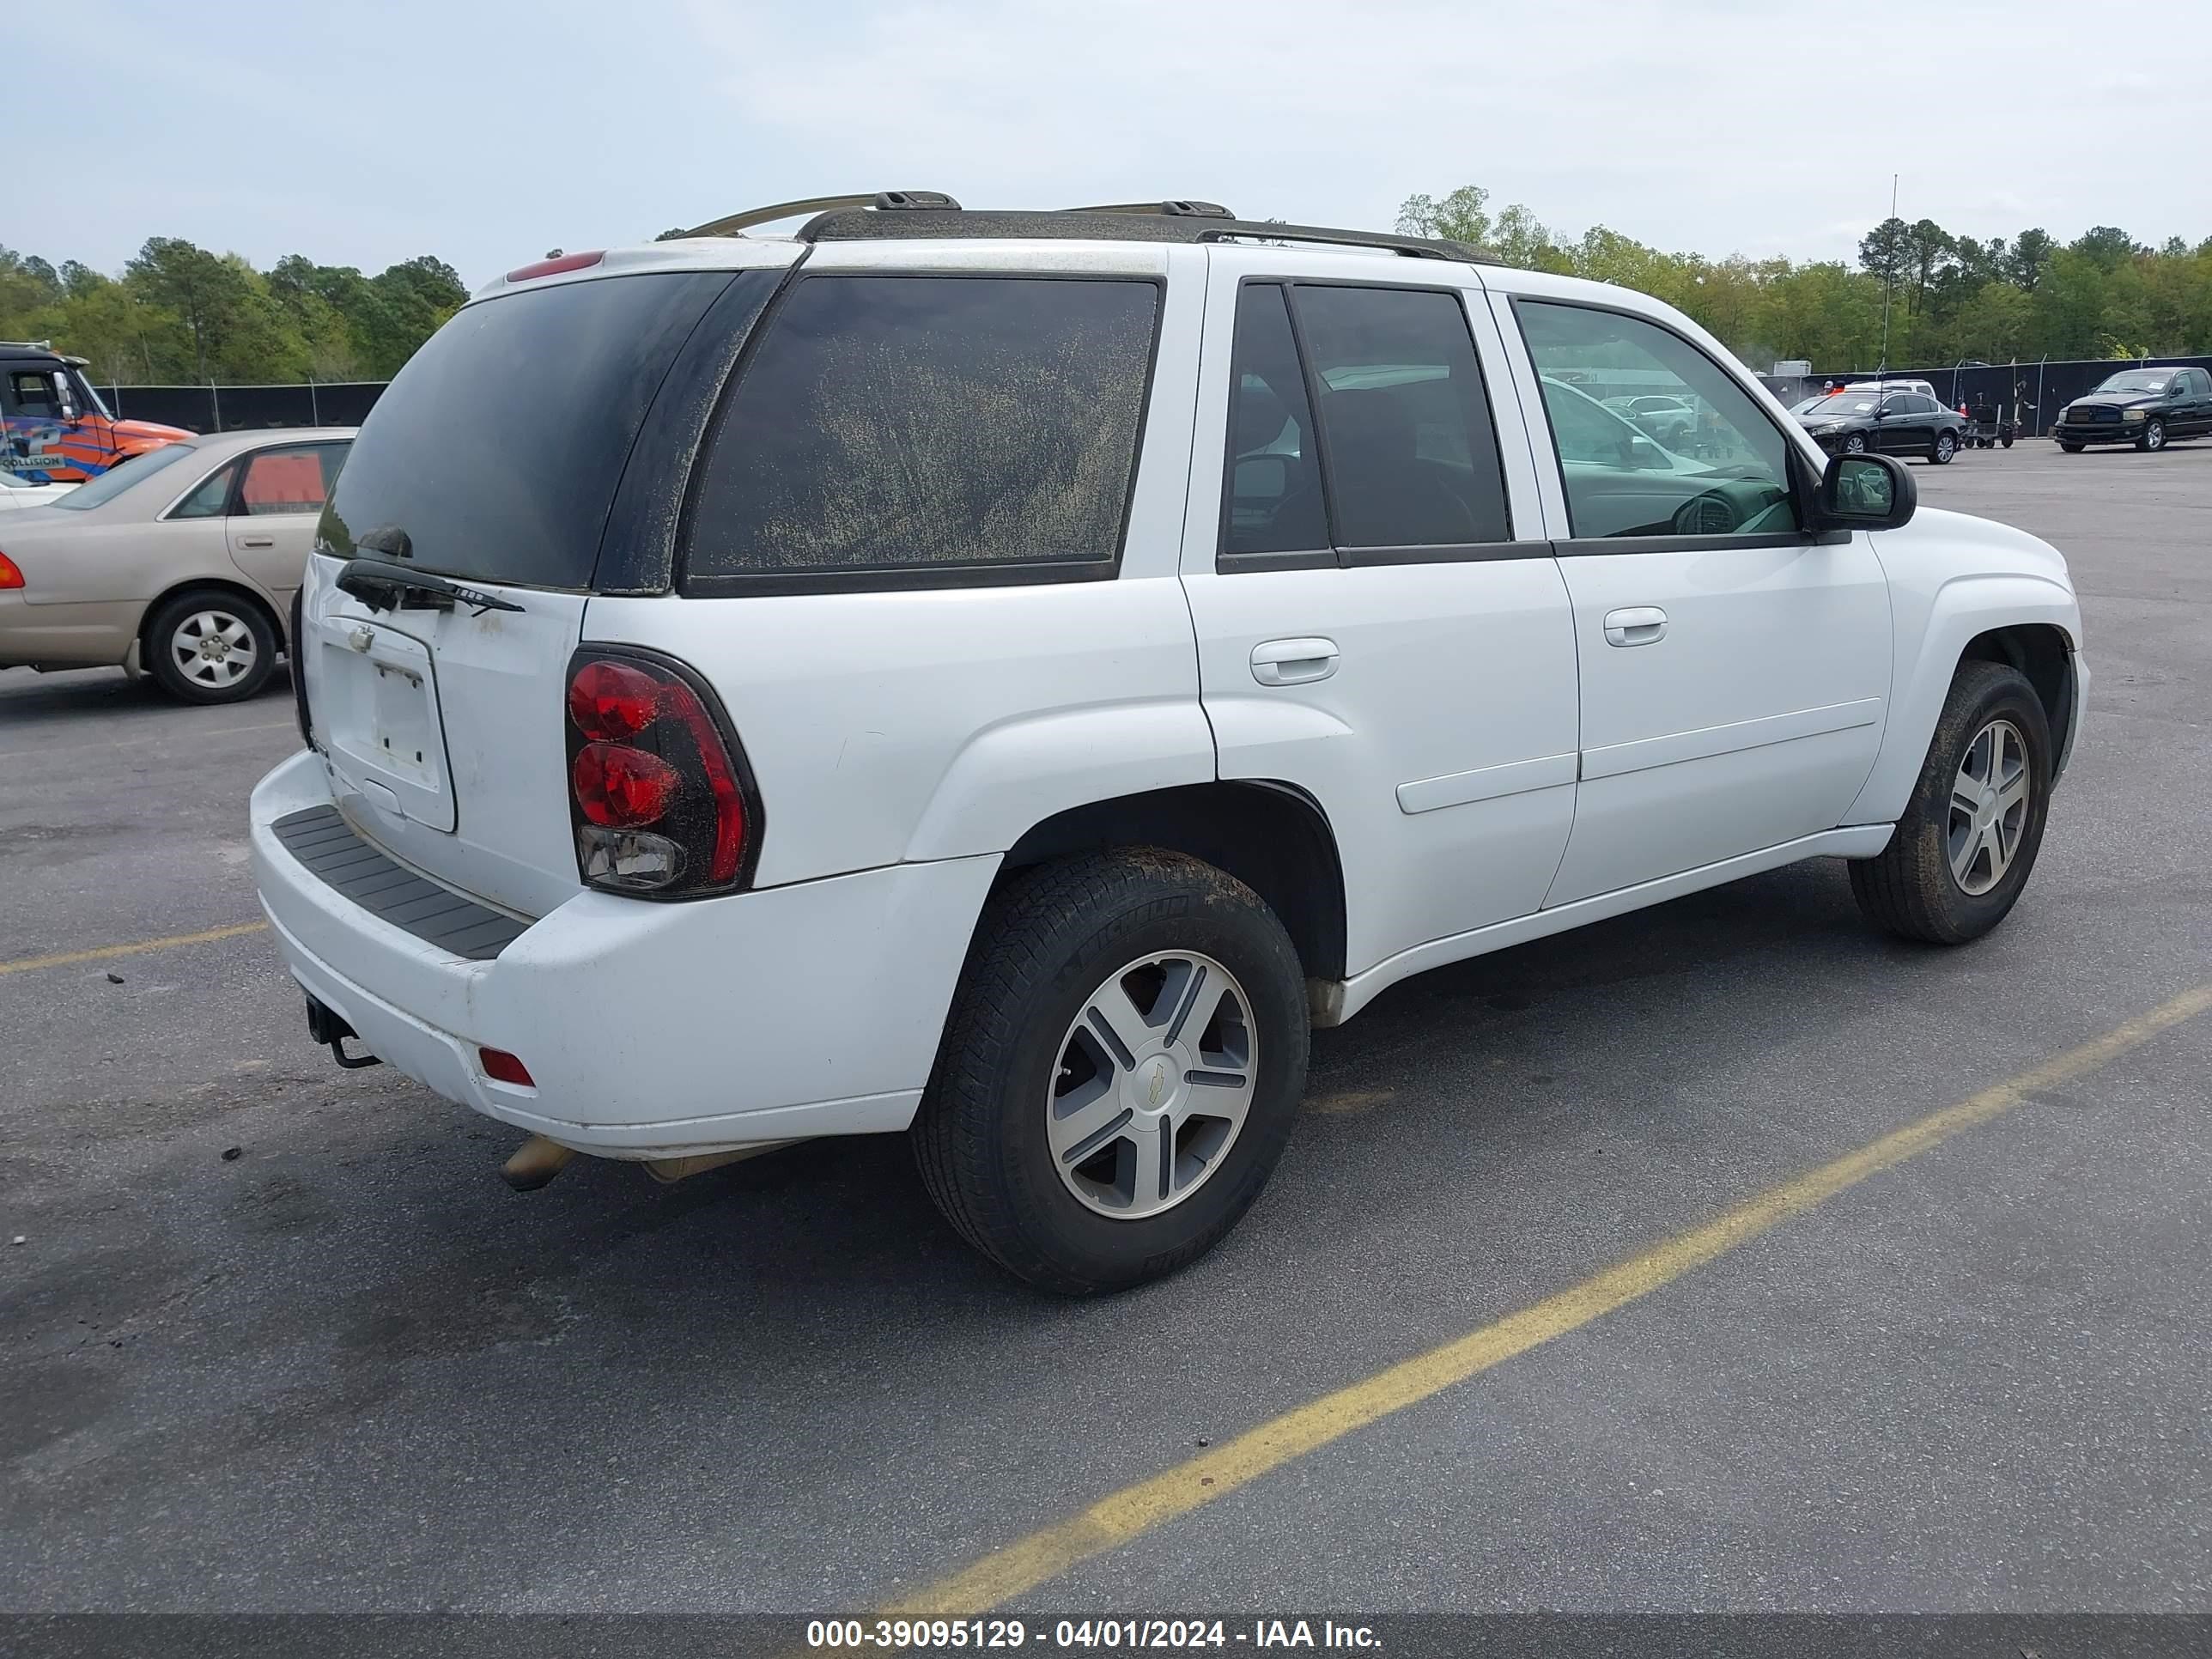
1164 221
1176 209
27 345
884 201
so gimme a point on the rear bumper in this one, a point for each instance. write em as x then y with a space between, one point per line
654 1031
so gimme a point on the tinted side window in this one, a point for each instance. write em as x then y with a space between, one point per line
907 424
1405 421
1725 472
211 498
284 481
1272 485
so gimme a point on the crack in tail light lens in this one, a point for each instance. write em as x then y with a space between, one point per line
660 797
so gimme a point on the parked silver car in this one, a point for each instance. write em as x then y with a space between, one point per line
181 562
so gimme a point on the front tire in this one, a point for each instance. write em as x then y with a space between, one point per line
2154 436
206 645
1855 444
2071 449
1968 838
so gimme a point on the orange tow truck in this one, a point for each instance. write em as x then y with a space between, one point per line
53 426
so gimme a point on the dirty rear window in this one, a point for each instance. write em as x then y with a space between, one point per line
917 427
495 454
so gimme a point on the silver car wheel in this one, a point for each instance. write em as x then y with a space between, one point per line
1152 1086
2154 435
1854 445
214 648
1988 808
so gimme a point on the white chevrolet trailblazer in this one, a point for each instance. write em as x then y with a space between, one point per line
1004 677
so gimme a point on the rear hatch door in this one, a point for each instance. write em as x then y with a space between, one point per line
493 462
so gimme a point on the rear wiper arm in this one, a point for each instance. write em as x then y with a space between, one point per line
379 585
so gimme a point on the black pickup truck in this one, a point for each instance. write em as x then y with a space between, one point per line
2147 407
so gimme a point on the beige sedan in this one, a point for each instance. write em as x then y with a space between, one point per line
180 562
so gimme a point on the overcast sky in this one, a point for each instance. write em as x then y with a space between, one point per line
366 132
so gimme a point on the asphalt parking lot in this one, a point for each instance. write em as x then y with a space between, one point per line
346 1369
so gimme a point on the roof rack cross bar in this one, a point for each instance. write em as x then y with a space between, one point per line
884 201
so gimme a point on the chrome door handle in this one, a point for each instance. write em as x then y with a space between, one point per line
1638 625
257 541
1293 662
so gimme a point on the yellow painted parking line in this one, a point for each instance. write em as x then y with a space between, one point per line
63 959
1135 1510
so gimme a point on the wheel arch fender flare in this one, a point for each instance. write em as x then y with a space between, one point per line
1017 773
1975 615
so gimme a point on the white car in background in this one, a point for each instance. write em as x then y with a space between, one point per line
16 492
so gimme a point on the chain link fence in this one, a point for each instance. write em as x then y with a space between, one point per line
242 408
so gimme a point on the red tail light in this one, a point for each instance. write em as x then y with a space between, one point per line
659 793
10 575
622 786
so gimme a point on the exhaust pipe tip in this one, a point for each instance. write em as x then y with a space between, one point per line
535 1162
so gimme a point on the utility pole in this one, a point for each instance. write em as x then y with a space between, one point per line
1889 271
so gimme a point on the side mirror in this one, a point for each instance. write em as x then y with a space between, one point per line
1865 492
1645 456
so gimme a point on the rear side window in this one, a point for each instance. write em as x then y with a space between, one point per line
1275 494
211 498
1405 424
495 454
294 480
894 429
1406 458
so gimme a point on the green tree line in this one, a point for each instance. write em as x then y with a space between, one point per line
1952 298
180 314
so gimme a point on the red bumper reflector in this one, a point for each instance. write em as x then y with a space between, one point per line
503 1067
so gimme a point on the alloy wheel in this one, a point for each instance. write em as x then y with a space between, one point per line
1153 1081
1988 808
214 649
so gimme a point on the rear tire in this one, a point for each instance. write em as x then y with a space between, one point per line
1962 853
1002 1135
206 645
1945 448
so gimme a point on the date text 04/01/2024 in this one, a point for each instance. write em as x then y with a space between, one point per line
1085 1634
